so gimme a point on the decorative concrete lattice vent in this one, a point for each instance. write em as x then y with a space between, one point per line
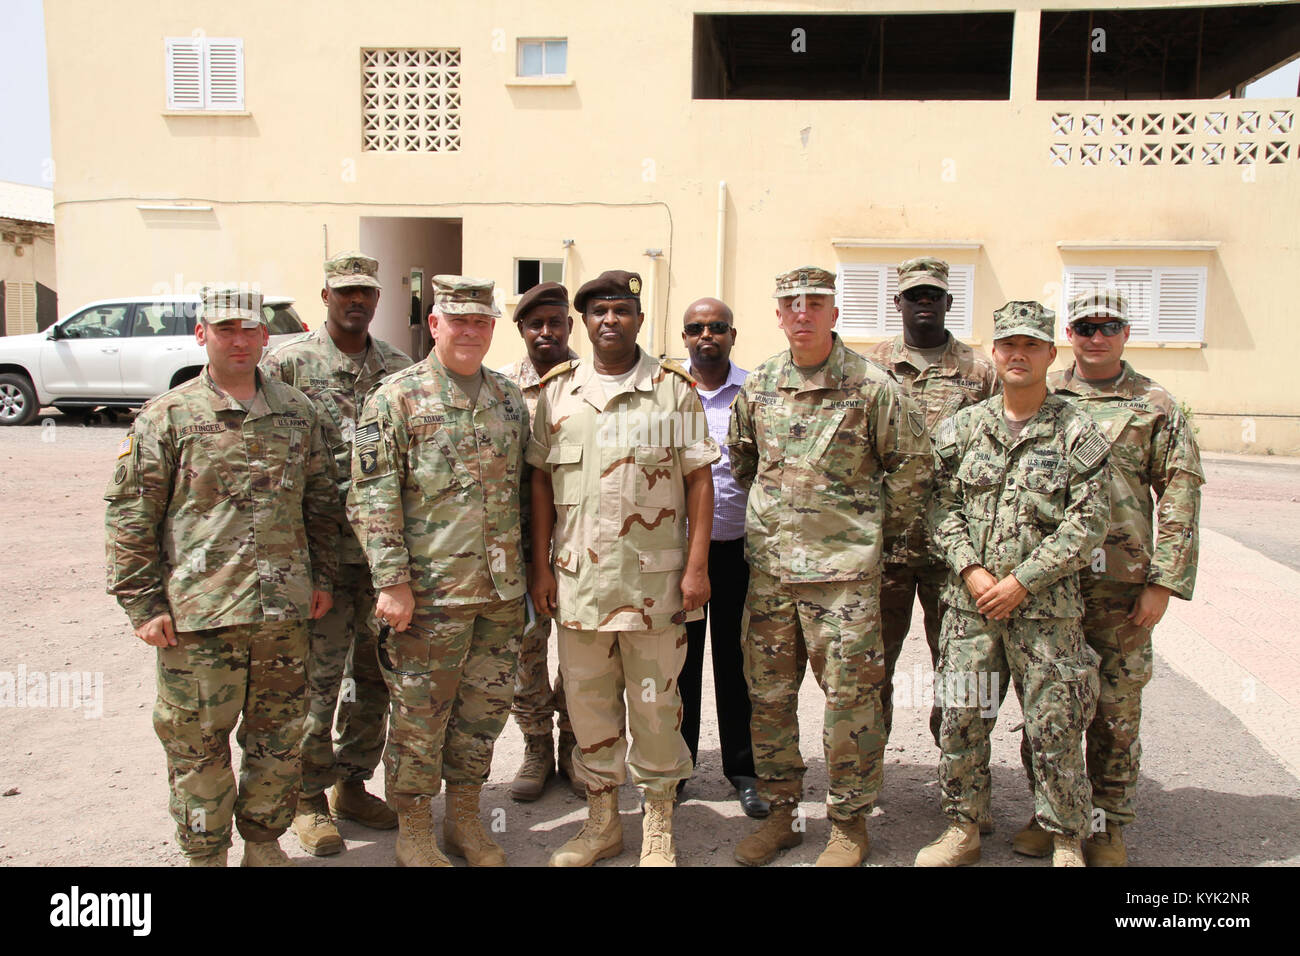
410 100
1216 137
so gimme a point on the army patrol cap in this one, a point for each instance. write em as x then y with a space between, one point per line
1109 302
349 269
463 295
221 303
1024 318
613 284
924 270
547 293
806 280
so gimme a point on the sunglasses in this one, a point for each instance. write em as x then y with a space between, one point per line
917 293
717 328
1089 329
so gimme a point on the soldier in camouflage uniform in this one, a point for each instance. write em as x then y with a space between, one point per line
542 317
620 451
1129 579
1019 504
943 376
834 457
336 367
221 535
436 468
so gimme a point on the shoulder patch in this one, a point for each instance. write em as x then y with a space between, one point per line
558 371
126 446
946 434
672 366
1091 449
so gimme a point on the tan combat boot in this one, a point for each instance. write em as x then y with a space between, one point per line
209 859
315 829
462 830
415 843
1033 840
265 854
848 844
774 834
537 768
657 834
959 845
564 760
1107 847
600 837
350 801
1065 851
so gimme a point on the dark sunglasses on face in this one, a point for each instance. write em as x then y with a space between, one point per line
717 328
1089 329
920 292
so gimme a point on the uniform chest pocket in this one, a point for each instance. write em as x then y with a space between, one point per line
1044 494
207 475
654 476
840 444
566 473
980 475
434 463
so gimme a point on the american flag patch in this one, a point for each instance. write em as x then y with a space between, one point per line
125 447
368 434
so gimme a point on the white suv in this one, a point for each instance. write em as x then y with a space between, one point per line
117 353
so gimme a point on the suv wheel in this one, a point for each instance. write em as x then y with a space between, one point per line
17 400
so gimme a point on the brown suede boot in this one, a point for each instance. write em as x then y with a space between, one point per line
350 801
657 834
1107 847
416 845
959 845
848 844
462 830
600 837
537 768
1033 840
314 827
774 834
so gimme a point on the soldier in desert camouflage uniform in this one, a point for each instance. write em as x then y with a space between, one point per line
620 451
1128 581
542 317
942 375
436 467
1020 502
337 366
834 456
221 543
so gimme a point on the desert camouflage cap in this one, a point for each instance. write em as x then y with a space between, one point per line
352 269
923 270
221 303
806 280
463 295
1024 318
1107 301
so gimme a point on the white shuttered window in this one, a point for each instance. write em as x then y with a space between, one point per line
866 300
205 73
1165 303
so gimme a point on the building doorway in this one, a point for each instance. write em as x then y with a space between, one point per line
410 250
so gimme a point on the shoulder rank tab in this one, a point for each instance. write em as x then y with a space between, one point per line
558 370
672 366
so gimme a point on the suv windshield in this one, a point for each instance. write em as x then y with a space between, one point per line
282 319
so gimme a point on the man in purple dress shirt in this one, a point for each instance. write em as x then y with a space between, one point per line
709 333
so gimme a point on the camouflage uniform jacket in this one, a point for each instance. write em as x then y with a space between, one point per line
618 473
524 374
961 377
1035 507
1151 448
218 515
314 365
435 486
836 463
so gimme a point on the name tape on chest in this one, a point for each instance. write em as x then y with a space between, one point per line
205 428
765 398
430 419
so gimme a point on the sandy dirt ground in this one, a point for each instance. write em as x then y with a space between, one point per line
86 784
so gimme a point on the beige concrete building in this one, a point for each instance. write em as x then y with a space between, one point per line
707 146
28 296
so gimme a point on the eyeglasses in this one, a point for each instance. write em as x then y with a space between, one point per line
917 293
1089 329
717 328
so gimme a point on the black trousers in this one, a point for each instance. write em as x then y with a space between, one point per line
729 581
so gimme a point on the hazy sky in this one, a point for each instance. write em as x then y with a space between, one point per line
24 96
25 100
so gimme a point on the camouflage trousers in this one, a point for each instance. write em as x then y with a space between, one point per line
1114 749
343 674
900 584
535 700
1055 676
835 626
450 679
250 674
598 666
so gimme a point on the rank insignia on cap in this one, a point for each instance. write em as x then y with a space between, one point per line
634 285
803 278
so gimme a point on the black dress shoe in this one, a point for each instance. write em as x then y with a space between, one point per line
753 805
